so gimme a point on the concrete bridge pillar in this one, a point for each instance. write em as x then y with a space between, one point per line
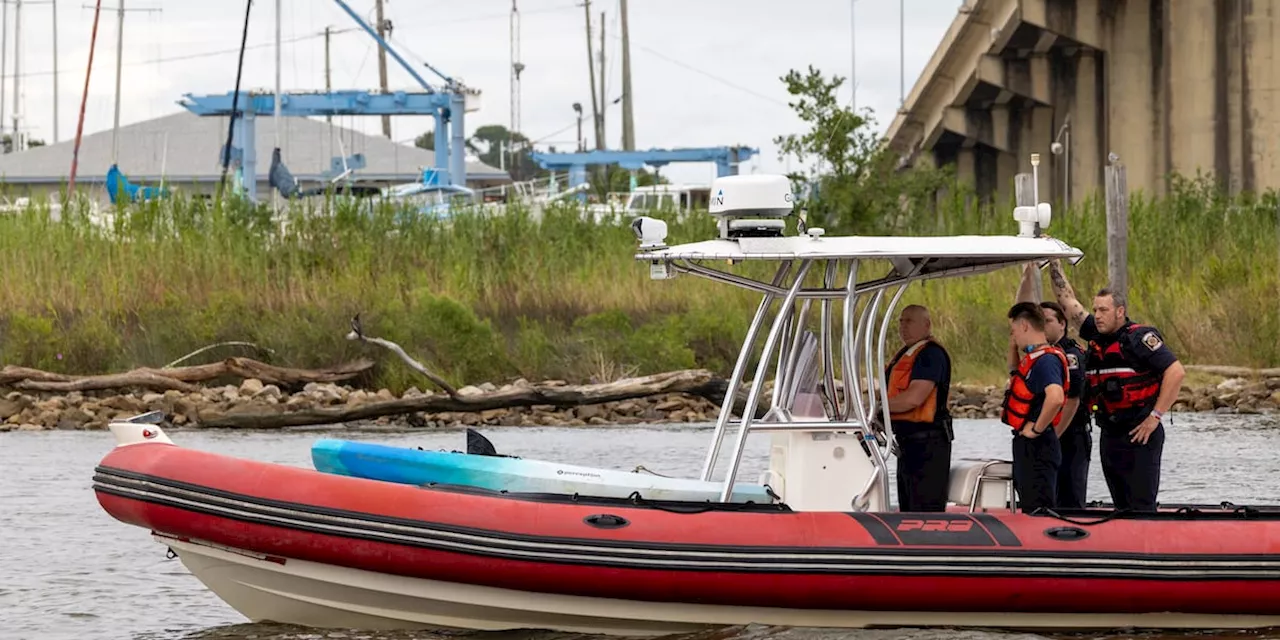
1191 95
1086 130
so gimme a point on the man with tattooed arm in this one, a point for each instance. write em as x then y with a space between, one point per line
1133 380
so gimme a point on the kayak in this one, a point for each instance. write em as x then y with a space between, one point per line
404 465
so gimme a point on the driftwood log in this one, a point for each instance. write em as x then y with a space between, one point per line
177 378
698 382
695 382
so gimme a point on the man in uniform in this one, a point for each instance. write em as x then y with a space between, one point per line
1133 380
919 381
1074 435
1033 408
1073 430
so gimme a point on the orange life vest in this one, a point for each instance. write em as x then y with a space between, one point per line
900 378
1018 397
1117 390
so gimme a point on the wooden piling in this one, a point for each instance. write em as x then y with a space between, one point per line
1117 227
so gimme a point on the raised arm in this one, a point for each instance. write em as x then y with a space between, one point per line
1076 312
1025 291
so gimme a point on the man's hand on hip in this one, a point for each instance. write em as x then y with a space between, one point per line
1143 431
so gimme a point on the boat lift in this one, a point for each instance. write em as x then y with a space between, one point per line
814 462
727 160
447 104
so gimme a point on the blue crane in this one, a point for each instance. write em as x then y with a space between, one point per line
447 104
727 159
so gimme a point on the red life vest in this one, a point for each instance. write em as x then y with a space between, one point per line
1115 387
1017 399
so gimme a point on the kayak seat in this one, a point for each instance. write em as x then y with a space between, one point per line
981 484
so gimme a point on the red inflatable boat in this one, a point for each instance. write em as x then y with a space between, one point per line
297 546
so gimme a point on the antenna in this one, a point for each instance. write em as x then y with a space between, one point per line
1035 178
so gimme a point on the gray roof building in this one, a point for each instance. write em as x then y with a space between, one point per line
184 149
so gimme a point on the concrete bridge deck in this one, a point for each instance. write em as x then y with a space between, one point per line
1171 86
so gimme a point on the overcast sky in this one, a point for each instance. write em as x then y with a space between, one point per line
704 72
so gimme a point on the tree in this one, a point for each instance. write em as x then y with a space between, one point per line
615 179
6 143
853 183
492 144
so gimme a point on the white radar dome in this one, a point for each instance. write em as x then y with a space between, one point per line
760 195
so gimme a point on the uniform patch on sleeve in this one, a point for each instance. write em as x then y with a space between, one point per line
1152 340
1072 361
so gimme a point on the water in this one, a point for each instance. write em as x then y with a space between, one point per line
70 571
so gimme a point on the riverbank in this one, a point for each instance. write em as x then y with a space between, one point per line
499 297
80 411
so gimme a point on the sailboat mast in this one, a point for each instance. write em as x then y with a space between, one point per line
115 128
84 99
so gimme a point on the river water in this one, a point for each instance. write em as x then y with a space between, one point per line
70 571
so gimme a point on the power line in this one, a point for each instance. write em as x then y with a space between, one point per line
189 56
707 74
294 40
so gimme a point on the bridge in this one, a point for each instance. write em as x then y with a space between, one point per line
1167 85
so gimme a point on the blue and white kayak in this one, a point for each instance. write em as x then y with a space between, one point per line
500 473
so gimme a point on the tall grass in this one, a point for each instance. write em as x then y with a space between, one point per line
493 297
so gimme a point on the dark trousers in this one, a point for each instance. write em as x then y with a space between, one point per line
924 471
1073 474
1132 470
1035 470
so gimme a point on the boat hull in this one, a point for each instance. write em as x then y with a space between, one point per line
266 589
499 473
720 564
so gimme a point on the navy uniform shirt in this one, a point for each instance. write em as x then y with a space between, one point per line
1145 351
1045 371
1076 380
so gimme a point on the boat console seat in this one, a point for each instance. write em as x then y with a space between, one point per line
981 484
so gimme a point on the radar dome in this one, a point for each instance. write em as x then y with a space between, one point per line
757 196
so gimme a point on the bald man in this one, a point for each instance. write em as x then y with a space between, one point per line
919 381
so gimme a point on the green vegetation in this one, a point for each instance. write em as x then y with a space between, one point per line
495 297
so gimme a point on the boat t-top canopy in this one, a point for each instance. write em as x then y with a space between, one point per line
926 257
750 211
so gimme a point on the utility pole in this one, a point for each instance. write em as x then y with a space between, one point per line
902 53
4 64
628 122
382 65
853 54
276 115
516 68
115 130
54 5
17 73
591 73
327 78
604 104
